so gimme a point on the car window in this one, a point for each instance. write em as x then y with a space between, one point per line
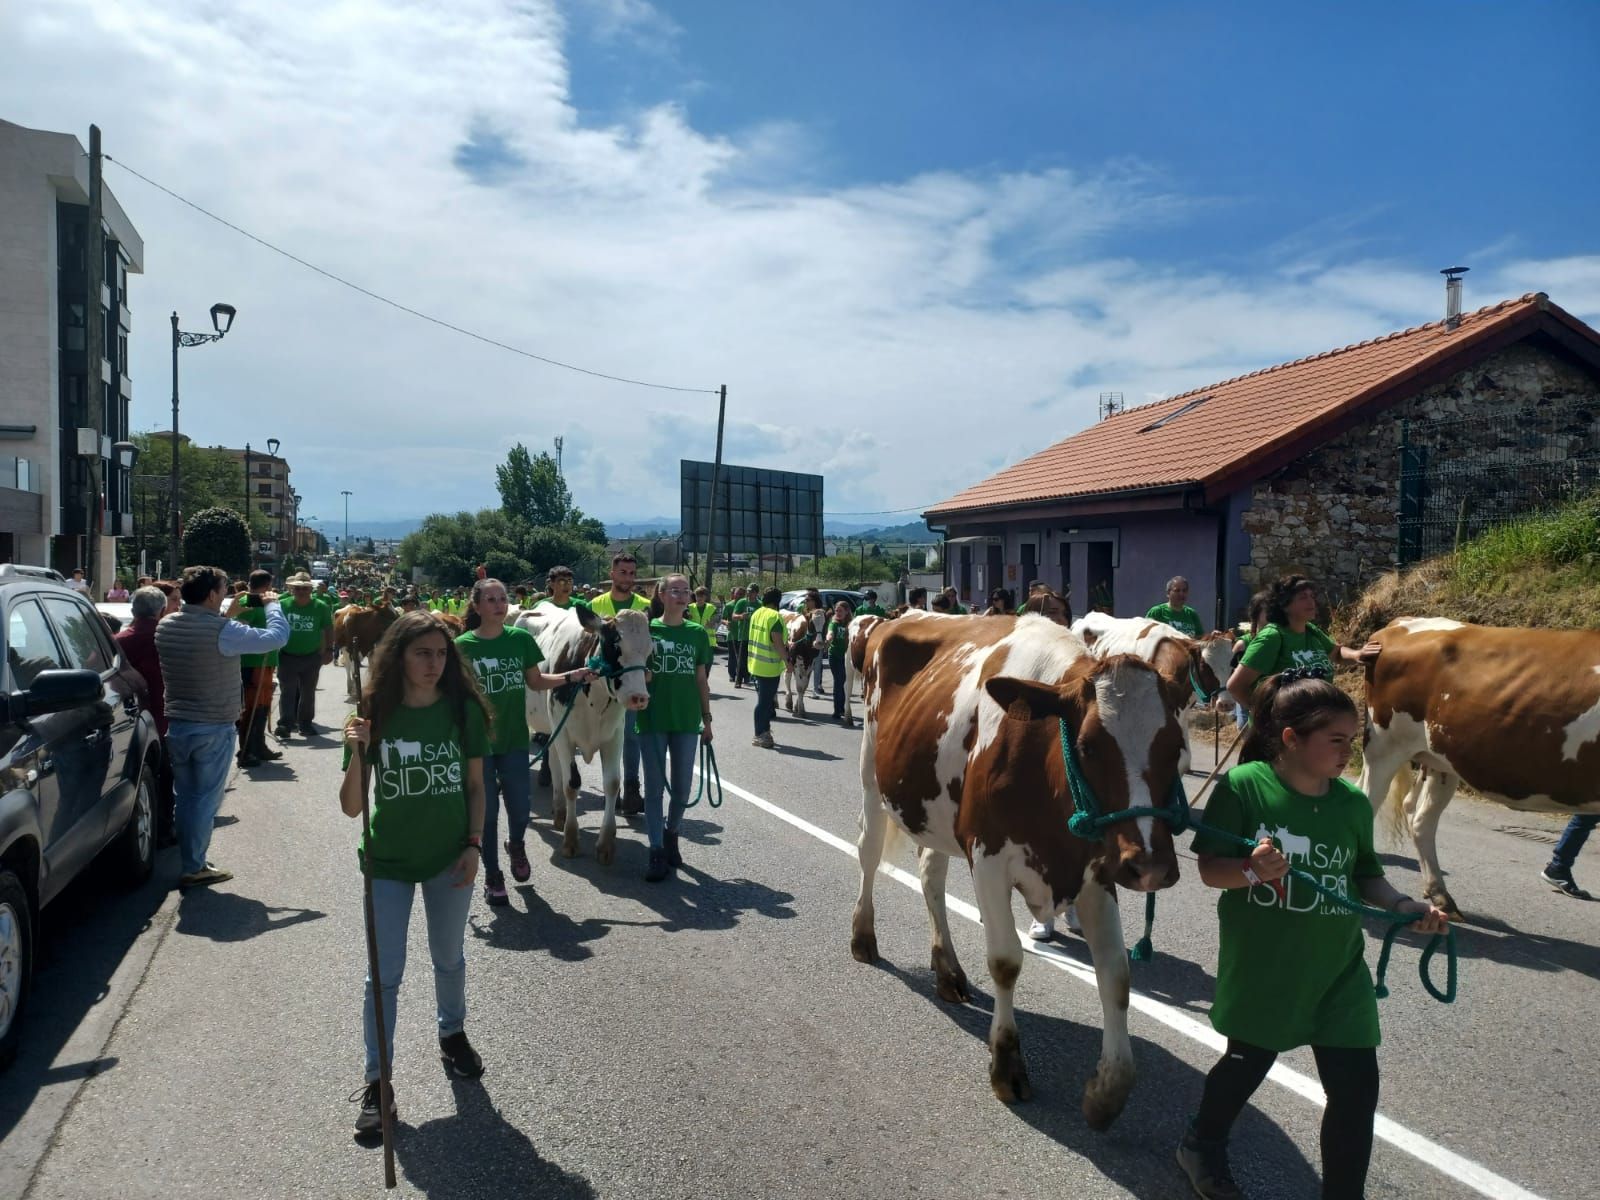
85 645
30 646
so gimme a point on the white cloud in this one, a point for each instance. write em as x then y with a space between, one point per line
904 337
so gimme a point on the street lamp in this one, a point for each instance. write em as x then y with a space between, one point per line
221 320
347 496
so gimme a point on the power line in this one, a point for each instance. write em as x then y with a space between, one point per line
881 512
339 279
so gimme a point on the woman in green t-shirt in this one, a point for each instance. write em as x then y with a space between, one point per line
429 725
1291 966
676 721
506 661
1175 611
836 644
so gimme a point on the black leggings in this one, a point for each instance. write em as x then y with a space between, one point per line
1350 1079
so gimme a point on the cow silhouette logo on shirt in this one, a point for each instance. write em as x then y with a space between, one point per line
1326 863
416 768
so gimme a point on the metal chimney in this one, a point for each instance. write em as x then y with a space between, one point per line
1452 295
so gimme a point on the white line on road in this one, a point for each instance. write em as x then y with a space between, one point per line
1447 1162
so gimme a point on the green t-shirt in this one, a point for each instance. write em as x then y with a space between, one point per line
674 686
306 623
1277 648
837 639
739 618
419 796
1293 973
256 618
499 664
869 610
328 600
1185 620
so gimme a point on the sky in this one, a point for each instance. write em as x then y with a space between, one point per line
916 239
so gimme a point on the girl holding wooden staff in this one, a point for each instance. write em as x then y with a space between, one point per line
424 734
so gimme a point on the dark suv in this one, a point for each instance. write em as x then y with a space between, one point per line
80 763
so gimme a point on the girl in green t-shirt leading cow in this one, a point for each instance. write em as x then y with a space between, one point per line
425 735
1291 966
677 720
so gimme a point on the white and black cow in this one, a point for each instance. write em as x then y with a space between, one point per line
568 638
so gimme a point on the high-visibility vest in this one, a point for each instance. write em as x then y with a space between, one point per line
607 607
705 615
764 661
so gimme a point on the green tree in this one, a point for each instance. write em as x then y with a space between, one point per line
217 537
531 488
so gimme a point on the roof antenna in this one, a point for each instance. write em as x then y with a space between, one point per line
1452 295
1110 404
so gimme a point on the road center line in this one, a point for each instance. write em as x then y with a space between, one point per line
1446 1162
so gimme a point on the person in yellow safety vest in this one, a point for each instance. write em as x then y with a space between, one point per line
704 613
769 651
624 573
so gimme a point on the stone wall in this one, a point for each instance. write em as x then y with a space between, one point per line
1333 514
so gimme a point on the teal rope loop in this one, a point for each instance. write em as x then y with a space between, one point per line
600 667
544 751
708 770
1087 822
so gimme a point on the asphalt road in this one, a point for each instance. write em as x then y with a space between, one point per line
711 1037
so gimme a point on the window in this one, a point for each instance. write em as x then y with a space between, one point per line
82 632
30 648
1176 413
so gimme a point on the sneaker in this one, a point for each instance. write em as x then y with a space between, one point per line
458 1056
246 761
670 845
1561 879
205 877
764 740
309 730
369 1121
494 889
659 867
521 869
281 732
1206 1165
1042 931
632 799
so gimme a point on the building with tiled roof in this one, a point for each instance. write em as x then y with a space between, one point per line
1339 465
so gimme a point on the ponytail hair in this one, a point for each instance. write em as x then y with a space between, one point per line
1303 699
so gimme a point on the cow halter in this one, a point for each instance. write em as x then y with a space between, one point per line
1089 823
1204 696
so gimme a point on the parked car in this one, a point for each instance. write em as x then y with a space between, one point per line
792 601
80 761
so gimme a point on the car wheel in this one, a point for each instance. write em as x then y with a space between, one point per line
16 962
135 849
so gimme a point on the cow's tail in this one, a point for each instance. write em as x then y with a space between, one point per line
1395 823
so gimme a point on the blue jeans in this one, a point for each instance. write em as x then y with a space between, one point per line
201 754
445 907
508 771
766 702
630 749
1572 839
816 673
657 747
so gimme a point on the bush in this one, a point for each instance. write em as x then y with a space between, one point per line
217 537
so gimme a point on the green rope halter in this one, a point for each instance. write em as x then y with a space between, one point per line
1089 823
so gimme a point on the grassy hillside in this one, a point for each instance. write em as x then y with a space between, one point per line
1541 570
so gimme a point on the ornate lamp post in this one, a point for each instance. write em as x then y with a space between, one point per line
221 320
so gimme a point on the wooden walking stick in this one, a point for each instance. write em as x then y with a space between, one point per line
385 1086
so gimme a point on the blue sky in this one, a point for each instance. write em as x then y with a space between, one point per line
915 240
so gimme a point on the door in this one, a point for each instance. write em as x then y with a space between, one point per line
1030 570
1101 595
996 572
84 639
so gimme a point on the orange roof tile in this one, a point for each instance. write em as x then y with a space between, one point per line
1207 434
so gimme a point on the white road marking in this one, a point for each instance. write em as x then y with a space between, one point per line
1446 1162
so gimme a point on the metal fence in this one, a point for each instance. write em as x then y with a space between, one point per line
1462 476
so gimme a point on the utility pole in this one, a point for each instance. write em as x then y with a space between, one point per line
711 503
94 352
346 496
559 443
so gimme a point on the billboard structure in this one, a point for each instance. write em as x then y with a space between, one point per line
759 512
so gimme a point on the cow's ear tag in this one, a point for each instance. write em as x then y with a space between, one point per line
1020 710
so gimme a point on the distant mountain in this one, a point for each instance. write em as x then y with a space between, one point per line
639 526
911 531
394 528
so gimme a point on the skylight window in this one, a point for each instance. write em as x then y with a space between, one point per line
1176 413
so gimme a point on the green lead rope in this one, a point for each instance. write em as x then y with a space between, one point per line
1087 822
708 770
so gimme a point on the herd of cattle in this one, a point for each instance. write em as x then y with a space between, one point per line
962 753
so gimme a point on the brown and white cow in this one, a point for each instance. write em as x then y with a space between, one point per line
800 632
568 638
1513 713
357 630
962 748
860 631
1184 662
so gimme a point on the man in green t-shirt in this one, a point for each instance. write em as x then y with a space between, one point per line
1176 611
558 580
737 613
871 607
309 649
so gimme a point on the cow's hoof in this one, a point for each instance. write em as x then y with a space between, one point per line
558 820
951 984
788 704
1443 899
605 850
1008 1074
864 946
1105 1095
569 847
